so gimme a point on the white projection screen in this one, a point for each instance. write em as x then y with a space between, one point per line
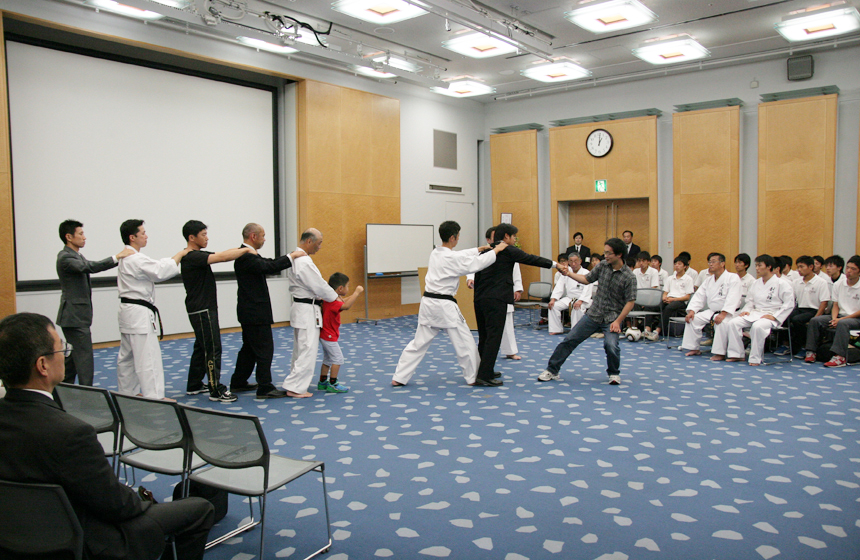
101 141
398 247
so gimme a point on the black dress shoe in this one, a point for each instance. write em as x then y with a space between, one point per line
488 382
497 374
243 388
273 394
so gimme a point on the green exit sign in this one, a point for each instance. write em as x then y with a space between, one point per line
600 186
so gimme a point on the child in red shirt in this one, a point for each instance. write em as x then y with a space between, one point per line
330 332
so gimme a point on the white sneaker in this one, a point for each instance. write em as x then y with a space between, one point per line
651 335
615 379
547 375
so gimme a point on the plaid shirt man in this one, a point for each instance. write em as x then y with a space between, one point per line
616 288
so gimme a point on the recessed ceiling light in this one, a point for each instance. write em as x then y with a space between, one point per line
117 8
464 88
819 25
373 73
265 46
557 72
378 11
395 62
479 45
672 51
611 16
178 4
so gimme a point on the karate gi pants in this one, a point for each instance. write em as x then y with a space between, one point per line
555 315
733 331
464 347
304 362
80 363
693 330
509 339
139 368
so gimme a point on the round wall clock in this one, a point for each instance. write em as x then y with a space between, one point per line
599 142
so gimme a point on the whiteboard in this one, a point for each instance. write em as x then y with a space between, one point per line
101 141
398 247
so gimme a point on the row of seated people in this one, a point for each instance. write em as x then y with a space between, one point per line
814 301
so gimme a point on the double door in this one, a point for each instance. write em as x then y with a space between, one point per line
599 220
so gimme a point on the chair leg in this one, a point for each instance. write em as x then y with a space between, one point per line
327 546
247 526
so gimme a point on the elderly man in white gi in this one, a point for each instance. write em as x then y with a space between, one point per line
568 290
769 303
717 300
139 369
438 310
309 290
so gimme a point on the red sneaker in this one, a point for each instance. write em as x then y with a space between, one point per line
837 361
810 357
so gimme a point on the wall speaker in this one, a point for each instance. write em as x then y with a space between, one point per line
800 68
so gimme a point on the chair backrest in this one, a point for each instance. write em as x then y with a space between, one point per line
151 423
226 439
540 290
93 405
38 519
649 297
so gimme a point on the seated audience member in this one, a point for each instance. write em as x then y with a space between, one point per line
777 267
567 291
544 312
646 277
676 294
657 264
742 264
595 260
844 317
812 294
43 444
833 265
819 268
787 272
768 305
630 262
703 274
717 300
577 247
691 272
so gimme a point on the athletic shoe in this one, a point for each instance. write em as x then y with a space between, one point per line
615 379
201 390
650 335
597 335
837 361
708 342
224 396
810 357
336 388
321 385
781 351
547 375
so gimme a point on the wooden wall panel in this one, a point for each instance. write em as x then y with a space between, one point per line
349 175
706 156
513 158
796 175
630 170
7 232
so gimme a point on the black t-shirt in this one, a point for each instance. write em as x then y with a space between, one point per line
199 282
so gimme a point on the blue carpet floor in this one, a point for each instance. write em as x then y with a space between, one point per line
686 459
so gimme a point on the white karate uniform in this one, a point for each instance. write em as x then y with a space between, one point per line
139 368
509 339
434 315
568 290
774 297
714 296
306 282
648 279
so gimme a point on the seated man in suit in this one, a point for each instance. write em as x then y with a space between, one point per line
43 444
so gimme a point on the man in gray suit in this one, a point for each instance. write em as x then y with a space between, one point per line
76 302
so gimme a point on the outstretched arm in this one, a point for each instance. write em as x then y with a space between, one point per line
348 302
229 255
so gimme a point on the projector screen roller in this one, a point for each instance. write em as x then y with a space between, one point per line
101 141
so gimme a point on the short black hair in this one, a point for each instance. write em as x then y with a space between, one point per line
807 260
192 227
562 256
835 259
819 258
786 260
643 256
777 264
766 260
69 227
579 233
618 247
23 338
489 233
686 255
855 260
744 258
720 256
501 230
627 231
630 262
681 259
448 229
129 228
337 280
657 258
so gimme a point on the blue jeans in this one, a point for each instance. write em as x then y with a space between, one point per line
581 331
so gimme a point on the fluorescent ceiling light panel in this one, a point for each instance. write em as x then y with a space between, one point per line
178 4
117 8
365 71
819 25
557 72
398 63
611 16
671 52
464 88
478 45
382 12
265 46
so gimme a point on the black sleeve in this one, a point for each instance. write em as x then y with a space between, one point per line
195 259
261 265
520 256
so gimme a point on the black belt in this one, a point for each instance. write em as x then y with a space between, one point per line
149 306
431 295
308 300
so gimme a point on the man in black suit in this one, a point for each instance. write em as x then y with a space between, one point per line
632 249
494 290
76 299
578 247
254 310
43 444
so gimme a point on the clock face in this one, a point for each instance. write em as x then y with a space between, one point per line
599 143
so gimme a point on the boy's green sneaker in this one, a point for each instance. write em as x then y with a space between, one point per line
336 388
322 385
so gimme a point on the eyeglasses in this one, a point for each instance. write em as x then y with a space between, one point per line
67 350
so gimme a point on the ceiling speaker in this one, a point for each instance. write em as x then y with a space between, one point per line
800 68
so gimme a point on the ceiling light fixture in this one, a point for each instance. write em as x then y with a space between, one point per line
371 72
558 72
378 11
397 63
479 45
266 46
178 4
122 9
611 16
819 25
464 88
672 51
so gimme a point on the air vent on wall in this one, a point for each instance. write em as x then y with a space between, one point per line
445 189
